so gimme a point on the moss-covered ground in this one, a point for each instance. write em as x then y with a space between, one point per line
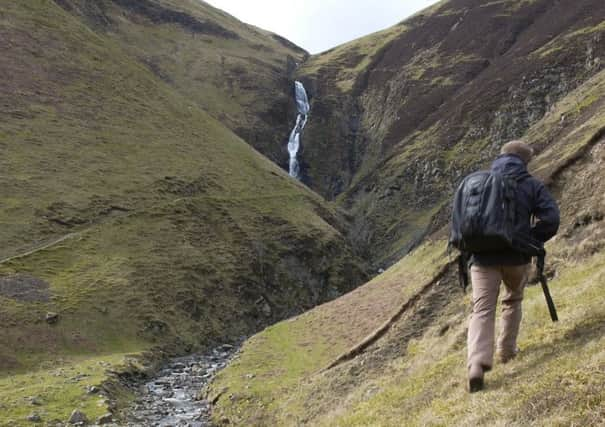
242 81
57 388
556 380
273 364
150 222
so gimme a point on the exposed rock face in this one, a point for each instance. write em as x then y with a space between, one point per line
97 13
105 419
435 97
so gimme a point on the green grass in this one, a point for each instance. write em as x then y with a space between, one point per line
563 42
240 82
176 225
267 382
581 112
364 49
267 370
60 387
557 379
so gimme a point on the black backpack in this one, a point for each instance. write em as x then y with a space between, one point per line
484 213
483 220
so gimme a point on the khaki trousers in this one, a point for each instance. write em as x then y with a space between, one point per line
486 287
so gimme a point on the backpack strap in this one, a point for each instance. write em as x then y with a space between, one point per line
511 192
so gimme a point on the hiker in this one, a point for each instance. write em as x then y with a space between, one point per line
530 203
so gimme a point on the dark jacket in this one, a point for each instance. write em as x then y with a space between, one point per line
533 199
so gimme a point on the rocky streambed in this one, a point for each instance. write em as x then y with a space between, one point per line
171 397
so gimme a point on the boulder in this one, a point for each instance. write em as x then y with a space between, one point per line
34 418
35 400
78 418
52 318
105 419
92 389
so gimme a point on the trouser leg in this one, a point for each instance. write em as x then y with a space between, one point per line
515 278
486 285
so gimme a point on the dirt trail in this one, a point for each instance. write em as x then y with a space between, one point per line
42 246
57 240
439 303
407 306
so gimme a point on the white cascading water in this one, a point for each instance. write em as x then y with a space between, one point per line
302 104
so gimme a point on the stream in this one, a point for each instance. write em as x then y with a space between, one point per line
170 398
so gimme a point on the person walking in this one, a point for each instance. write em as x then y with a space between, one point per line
536 219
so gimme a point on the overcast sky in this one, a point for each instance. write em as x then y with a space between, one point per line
318 25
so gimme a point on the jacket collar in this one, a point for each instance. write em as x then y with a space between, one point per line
509 164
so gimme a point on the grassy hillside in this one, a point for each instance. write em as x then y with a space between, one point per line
137 217
414 371
405 113
239 74
138 223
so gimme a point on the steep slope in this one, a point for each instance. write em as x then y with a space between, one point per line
241 75
406 112
392 352
135 216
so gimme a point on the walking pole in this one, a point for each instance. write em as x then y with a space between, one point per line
551 305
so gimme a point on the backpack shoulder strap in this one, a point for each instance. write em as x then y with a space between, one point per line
520 177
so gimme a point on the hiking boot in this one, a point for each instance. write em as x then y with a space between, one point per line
475 378
505 357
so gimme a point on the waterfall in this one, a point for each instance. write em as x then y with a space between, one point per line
302 104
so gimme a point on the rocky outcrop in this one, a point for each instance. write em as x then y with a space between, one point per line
78 418
96 13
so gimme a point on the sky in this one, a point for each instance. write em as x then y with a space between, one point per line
318 25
